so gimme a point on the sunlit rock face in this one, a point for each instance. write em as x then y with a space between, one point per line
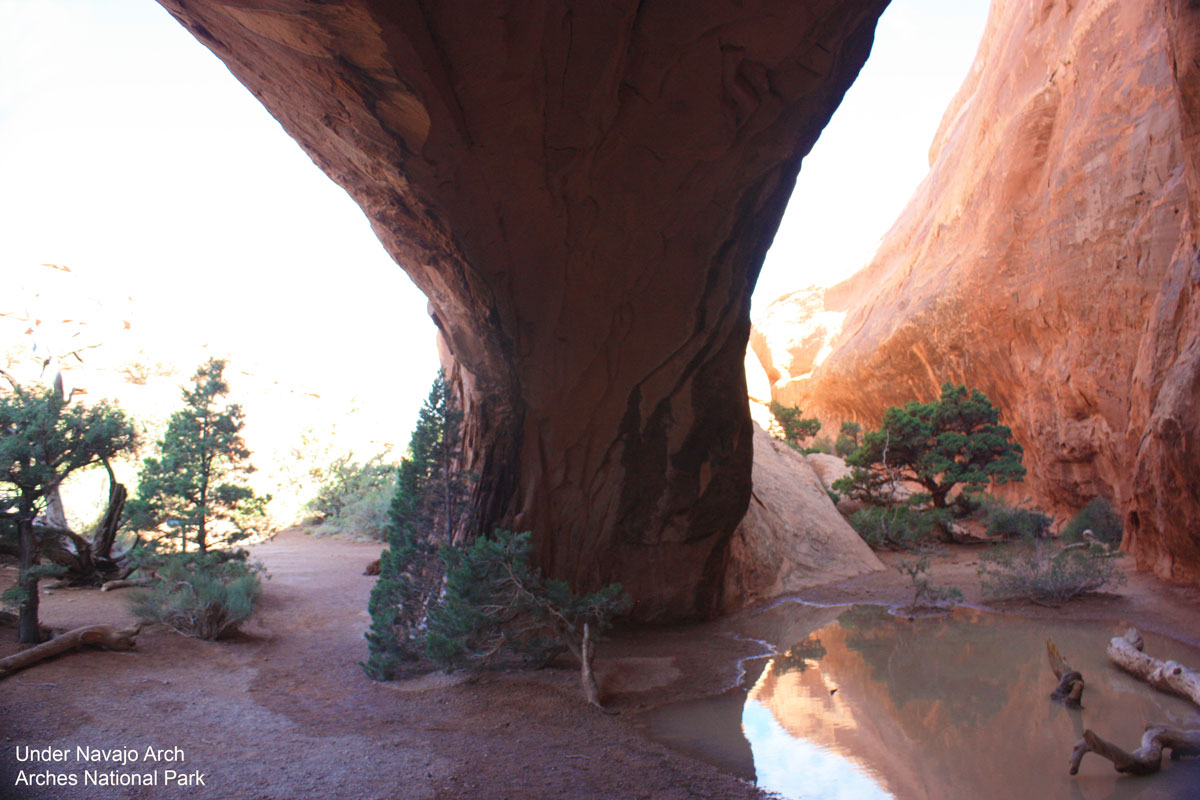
1050 258
791 339
585 192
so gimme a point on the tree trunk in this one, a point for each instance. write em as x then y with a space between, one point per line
1168 676
1069 691
105 535
105 636
1145 760
28 630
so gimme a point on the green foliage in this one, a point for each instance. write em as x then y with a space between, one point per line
1100 518
870 486
44 439
204 595
954 440
345 482
497 609
354 498
192 489
821 444
793 427
899 527
1015 522
848 439
427 507
925 593
1040 571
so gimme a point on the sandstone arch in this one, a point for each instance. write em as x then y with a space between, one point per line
585 192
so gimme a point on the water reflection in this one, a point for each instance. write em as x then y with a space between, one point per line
862 704
795 767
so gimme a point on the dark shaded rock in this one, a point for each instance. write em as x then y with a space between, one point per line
585 192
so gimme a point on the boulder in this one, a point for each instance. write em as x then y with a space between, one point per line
792 536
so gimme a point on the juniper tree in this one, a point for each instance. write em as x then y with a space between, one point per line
195 487
497 609
795 427
956 439
426 510
43 439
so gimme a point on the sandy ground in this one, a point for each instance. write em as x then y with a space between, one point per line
285 712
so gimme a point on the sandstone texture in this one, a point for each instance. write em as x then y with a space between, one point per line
792 536
585 192
1050 259
793 336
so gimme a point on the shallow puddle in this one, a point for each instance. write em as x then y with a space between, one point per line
861 704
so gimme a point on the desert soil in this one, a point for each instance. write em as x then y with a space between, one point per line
284 711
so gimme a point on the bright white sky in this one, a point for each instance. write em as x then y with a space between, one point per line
130 154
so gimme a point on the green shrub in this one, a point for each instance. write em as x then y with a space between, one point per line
1048 575
345 483
205 595
1099 517
1015 522
363 516
498 610
925 593
792 426
899 527
821 444
848 438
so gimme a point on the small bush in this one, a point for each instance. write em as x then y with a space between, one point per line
821 444
202 595
792 426
899 527
925 593
346 483
365 516
1046 574
1099 517
1015 522
848 438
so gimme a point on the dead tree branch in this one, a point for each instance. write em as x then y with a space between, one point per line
1168 676
1069 691
1147 758
104 636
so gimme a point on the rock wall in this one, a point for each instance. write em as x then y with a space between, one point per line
585 192
1050 258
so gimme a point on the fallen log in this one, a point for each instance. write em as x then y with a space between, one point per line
104 636
1069 691
1147 758
126 584
1168 676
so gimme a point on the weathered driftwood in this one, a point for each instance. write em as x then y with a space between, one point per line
1147 758
126 584
1168 676
105 636
1069 691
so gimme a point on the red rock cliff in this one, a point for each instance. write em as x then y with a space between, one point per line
1050 258
585 191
